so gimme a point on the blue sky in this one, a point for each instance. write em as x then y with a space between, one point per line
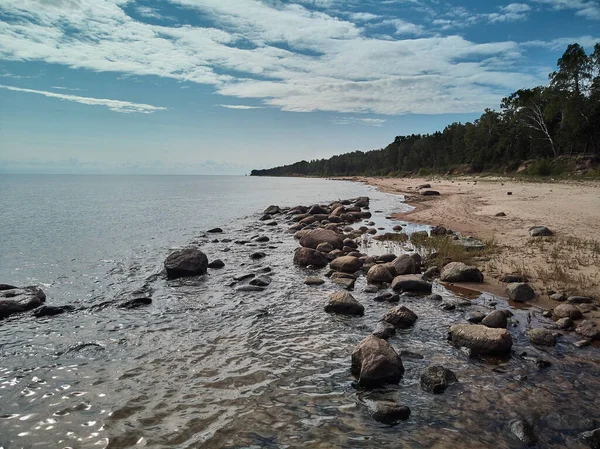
224 86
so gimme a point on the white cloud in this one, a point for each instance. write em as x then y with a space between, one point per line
563 42
363 17
354 120
113 105
239 106
589 9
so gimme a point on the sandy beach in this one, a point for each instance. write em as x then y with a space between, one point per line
568 262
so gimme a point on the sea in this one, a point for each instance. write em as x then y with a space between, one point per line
208 366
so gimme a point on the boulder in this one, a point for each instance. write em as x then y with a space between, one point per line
438 230
346 264
406 264
542 337
559 297
495 319
540 231
308 256
435 379
460 272
376 363
384 330
344 304
399 283
313 238
588 329
520 291
186 262
567 311
17 300
400 316
481 340
379 273
262 239
272 210
388 412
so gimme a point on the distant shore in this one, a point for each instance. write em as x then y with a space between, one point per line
568 261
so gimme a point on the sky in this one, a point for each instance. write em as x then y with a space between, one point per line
226 86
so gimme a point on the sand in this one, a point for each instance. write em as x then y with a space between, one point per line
568 262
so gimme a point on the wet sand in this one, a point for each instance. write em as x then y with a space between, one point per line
569 262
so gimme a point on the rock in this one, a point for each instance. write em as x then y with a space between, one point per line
592 438
376 363
261 281
379 273
510 278
542 337
564 323
476 317
435 379
438 230
271 223
523 431
317 210
250 288
308 256
558 297
567 311
509 193
390 297
585 308
215 230
410 285
589 330
344 304
447 306
133 303
17 300
262 239
495 319
311 280
313 238
385 258
7 287
540 231
579 300
481 340
272 210
186 262
350 243
434 297
265 217
347 283
500 214
325 247
388 412
257 255
460 272
431 273
384 330
215 264
429 192
406 264
582 343
400 316
52 310
346 264
423 186
520 291
397 228
243 277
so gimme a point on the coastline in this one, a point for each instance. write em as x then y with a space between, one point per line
568 262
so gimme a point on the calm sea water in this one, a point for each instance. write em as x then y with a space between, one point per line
207 366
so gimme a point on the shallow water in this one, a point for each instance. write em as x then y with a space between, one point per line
206 366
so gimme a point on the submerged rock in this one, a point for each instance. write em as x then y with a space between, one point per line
388 412
523 431
435 379
460 272
481 340
52 310
542 337
261 281
344 304
400 316
17 300
186 262
216 264
376 363
215 230
134 303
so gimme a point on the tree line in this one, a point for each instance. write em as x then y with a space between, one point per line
547 124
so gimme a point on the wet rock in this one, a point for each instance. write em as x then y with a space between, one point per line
347 283
592 438
350 243
523 431
475 317
265 217
388 412
460 272
410 285
510 278
406 264
542 337
387 297
17 300
385 258
429 192
272 210
311 280
435 379
376 363
495 319
397 228
7 287
45 311
317 209
589 330
346 264
384 330
371 289
261 281
186 262
379 273
564 323
262 239
308 256
558 297
567 311
400 316
481 340
243 277
250 288
447 306
438 230
411 355
257 255
579 300
520 292
215 264
133 303
325 247
434 297
215 230
431 273
313 238
344 303
582 343
540 231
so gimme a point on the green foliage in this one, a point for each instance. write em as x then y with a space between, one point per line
545 123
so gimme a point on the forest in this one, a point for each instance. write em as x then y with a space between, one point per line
550 127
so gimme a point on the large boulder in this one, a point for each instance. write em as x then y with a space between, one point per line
460 272
344 304
376 363
379 273
313 238
346 264
567 311
186 262
400 283
435 379
406 264
308 256
400 316
520 291
15 300
481 340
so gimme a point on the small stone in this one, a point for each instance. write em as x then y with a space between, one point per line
312 280
500 214
564 323
384 330
434 297
217 263
495 319
520 292
261 281
435 379
540 231
542 337
579 300
558 297
215 230
475 317
523 431
344 304
388 412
